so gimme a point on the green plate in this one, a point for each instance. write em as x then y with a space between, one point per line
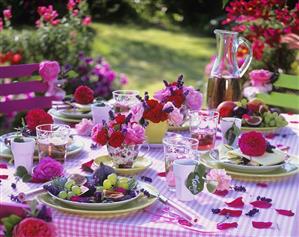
140 164
57 115
263 130
289 169
126 209
5 152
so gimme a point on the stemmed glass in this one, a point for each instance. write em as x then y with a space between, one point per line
124 100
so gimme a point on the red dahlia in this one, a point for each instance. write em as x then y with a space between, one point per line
155 112
253 144
101 137
83 95
37 117
116 139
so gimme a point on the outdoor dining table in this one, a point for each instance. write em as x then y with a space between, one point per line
284 194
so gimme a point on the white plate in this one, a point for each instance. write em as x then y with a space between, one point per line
74 113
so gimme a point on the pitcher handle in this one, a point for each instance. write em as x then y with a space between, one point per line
145 152
245 65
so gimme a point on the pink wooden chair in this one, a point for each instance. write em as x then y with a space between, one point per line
17 88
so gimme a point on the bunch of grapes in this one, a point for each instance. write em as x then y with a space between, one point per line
273 120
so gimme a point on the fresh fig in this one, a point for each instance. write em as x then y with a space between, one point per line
263 109
239 111
253 121
101 173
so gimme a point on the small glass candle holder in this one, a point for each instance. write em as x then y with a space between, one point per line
52 141
177 147
203 128
124 100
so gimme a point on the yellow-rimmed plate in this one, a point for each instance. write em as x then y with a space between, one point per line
74 147
57 115
140 164
289 169
126 209
262 129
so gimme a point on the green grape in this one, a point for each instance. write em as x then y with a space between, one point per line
76 190
112 178
123 184
68 185
70 194
244 102
272 123
99 189
275 114
123 179
107 184
62 194
267 119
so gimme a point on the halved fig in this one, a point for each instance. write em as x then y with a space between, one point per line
253 121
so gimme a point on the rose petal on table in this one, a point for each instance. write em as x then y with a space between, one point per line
263 185
225 226
295 122
87 166
261 204
230 212
3 176
261 225
184 222
162 174
285 212
221 193
3 166
237 203
271 135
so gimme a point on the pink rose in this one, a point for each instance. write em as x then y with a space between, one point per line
193 98
137 112
260 77
175 117
219 175
49 70
46 170
7 14
1 24
86 21
135 134
84 127
33 227
162 94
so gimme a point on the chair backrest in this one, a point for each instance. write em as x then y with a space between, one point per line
285 93
16 88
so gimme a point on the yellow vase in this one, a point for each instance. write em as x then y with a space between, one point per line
155 132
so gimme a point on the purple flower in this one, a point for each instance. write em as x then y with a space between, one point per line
162 94
49 70
123 79
135 134
110 75
193 98
137 112
260 77
84 127
175 117
46 170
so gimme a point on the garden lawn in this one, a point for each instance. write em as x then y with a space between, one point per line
149 55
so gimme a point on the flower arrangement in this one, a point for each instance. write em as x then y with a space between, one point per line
97 74
123 135
34 222
179 95
265 23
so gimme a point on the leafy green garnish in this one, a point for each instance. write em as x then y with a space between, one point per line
231 134
9 223
195 180
23 174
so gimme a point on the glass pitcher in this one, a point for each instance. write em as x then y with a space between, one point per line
224 82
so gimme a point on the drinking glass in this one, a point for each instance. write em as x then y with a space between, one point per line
124 100
177 147
52 141
203 127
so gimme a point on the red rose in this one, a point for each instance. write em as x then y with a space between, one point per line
83 95
101 137
33 227
177 98
120 119
16 59
252 144
152 103
116 139
37 117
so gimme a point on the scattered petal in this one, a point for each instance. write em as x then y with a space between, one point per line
184 222
237 203
270 135
87 166
225 226
263 185
146 179
230 212
285 212
3 166
3 176
293 121
261 225
162 174
221 193
290 113
261 204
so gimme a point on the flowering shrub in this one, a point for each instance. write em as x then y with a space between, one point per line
55 38
120 131
97 74
264 22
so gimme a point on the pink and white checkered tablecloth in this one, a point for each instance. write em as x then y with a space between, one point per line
285 195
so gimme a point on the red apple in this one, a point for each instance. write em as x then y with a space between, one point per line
226 108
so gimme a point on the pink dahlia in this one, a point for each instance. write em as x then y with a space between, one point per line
253 144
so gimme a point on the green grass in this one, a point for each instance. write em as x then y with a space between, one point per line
150 55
